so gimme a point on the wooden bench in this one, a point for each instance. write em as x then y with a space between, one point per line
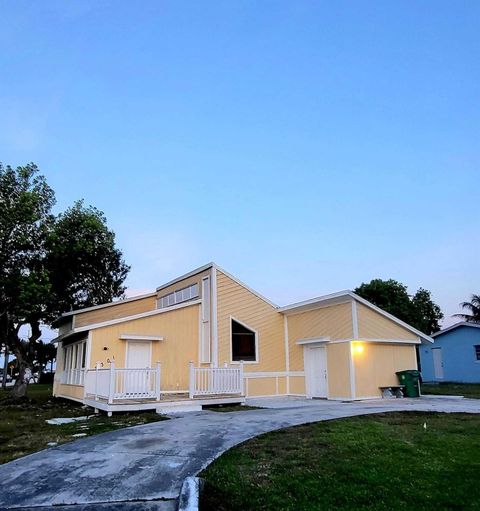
392 391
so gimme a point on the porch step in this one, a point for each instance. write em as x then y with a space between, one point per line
178 408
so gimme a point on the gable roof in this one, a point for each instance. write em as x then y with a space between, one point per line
456 325
314 303
344 297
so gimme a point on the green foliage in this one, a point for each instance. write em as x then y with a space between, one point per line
418 310
49 264
84 266
474 307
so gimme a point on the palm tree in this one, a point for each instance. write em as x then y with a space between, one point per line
474 306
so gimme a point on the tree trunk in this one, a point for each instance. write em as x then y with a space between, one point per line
25 353
5 368
21 383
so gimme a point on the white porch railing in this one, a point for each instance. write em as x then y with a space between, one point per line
73 377
215 380
115 383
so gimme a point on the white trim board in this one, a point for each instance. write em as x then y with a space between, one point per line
136 316
319 340
344 297
103 305
248 288
130 337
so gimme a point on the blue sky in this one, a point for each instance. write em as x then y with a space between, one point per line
305 146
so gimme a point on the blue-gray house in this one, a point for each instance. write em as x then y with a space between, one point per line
454 356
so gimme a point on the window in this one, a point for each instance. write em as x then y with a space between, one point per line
178 296
476 347
74 362
244 343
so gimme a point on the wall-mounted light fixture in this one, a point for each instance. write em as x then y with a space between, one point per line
358 348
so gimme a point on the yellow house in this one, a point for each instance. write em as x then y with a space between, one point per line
206 337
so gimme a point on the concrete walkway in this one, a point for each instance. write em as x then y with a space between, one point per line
149 463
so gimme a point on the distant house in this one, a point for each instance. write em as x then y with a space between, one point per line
454 356
206 337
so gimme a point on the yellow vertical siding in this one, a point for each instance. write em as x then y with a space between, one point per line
372 325
376 365
237 301
261 387
180 330
73 391
297 385
338 370
120 310
334 322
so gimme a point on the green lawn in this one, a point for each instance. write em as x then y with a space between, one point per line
471 390
379 462
23 429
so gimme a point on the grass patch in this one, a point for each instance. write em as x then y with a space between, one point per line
23 429
379 462
231 408
471 390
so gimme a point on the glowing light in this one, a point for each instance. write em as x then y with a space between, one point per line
358 348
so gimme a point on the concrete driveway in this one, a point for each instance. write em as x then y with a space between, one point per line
146 465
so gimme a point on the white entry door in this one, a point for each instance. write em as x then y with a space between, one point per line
315 363
138 354
437 363
138 382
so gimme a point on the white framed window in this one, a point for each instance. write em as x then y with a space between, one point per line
178 296
243 342
74 363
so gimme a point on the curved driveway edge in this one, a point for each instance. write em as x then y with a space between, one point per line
150 462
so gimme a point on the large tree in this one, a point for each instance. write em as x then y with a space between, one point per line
474 307
418 310
48 264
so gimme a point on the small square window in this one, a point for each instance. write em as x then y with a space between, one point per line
477 351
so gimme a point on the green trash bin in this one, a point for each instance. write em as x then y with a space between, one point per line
410 379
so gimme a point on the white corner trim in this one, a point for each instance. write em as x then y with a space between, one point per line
130 337
214 313
390 316
317 340
154 312
287 351
354 319
353 389
248 288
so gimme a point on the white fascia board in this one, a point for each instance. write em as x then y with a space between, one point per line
104 305
390 316
200 269
248 288
315 301
456 325
137 316
314 341
128 337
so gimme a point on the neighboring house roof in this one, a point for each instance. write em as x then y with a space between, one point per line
343 297
456 325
